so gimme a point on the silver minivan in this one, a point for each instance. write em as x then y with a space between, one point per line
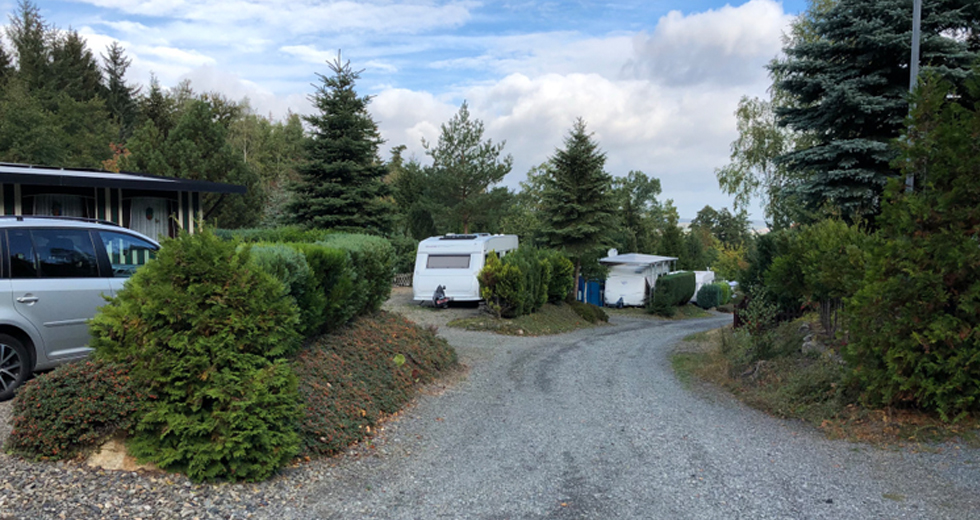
54 274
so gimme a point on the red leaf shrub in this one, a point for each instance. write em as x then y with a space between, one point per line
72 408
349 378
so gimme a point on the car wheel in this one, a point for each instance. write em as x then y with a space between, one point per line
15 365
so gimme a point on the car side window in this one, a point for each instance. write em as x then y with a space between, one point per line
22 259
126 252
65 253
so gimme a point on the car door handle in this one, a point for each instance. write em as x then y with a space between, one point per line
27 299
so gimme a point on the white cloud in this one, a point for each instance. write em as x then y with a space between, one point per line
725 46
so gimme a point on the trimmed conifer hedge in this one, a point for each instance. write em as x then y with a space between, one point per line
521 282
353 271
672 290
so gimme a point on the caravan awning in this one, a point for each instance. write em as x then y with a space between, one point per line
635 259
82 178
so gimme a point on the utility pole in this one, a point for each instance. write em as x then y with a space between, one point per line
914 71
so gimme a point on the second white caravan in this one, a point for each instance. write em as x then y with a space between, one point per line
454 262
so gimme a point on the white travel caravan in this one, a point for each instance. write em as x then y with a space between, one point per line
455 261
631 276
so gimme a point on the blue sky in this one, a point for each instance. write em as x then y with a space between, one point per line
657 81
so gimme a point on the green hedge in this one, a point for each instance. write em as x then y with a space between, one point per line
502 287
672 290
372 260
335 275
353 272
714 295
521 282
289 265
562 277
726 292
278 234
709 295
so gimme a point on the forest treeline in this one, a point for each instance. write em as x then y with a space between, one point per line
64 104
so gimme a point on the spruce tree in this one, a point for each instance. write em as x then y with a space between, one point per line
74 70
343 180
30 36
578 207
847 88
120 97
6 65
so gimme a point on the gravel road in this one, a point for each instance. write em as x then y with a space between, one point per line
591 424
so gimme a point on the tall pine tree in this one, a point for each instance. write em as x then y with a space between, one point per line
120 97
464 170
578 206
342 182
847 87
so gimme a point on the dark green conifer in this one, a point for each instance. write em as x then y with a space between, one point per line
342 183
578 206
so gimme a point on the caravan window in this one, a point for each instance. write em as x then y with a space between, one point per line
448 262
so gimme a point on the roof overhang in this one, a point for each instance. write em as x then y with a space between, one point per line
81 178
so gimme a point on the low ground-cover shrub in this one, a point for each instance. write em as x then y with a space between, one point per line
772 372
589 312
206 333
349 378
73 408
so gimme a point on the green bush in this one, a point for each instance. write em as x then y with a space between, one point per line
502 287
335 275
75 407
709 296
348 379
534 267
672 290
372 260
915 323
562 277
589 312
205 331
726 292
288 265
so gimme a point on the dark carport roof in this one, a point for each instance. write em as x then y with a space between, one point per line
81 178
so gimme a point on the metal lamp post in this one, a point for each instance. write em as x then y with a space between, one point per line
914 70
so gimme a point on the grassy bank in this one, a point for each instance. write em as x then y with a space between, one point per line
778 376
550 319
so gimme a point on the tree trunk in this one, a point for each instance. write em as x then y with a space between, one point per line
578 272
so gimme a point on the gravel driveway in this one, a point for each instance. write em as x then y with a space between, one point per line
591 424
